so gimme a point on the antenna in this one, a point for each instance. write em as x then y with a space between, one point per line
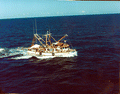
36 26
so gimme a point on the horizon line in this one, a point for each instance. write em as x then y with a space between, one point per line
59 16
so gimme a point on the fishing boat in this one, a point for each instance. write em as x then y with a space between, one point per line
46 48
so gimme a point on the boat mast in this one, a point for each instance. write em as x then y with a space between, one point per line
49 39
33 41
33 28
46 37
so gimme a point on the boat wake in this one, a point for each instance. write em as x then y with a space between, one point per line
18 53
14 53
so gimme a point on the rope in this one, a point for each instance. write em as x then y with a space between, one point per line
57 35
70 43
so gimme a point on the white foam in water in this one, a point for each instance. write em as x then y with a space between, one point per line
7 52
45 57
29 56
22 57
21 52
18 53
1 49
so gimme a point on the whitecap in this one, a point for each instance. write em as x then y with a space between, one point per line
2 49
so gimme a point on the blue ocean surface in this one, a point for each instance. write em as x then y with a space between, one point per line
94 71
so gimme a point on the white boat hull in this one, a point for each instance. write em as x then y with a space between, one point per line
65 54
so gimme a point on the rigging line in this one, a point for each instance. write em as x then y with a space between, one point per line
40 37
53 39
33 28
39 40
49 28
70 43
52 34
57 35
36 26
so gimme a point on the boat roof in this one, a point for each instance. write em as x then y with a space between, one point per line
35 46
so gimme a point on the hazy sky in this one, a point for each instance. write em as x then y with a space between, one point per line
41 8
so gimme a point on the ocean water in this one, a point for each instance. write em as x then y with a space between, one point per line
94 71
